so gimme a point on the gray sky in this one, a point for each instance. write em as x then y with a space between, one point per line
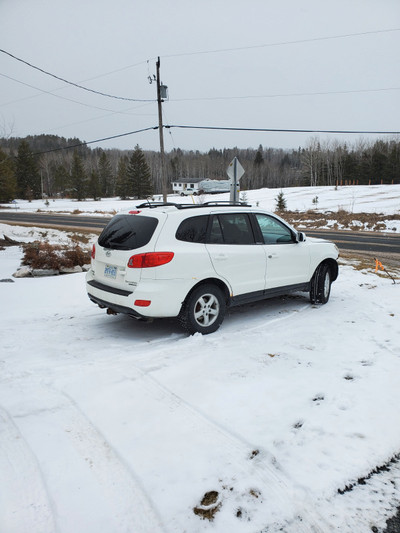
253 64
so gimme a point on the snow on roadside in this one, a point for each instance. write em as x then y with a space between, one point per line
108 424
352 198
53 236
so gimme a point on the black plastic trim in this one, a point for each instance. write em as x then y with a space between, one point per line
107 288
268 293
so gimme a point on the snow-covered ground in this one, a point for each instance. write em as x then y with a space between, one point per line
108 425
355 199
372 200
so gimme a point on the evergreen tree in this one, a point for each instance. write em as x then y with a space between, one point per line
139 175
280 202
27 173
123 182
379 161
61 179
259 160
105 175
94 187
394 160
78 178
8 183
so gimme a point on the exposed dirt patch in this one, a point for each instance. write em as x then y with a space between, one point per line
209 506
254 453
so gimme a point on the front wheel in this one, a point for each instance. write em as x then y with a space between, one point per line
203 310
321 285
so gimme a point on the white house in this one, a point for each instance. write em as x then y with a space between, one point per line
186 186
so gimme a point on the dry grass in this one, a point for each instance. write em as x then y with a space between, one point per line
341 219
366 263
83 238
43 255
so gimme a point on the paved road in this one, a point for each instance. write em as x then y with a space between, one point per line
377 243
361 241
54 220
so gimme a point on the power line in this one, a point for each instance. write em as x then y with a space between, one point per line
77 145
281 130
84 143
284 95
105 116
215 128
281 43
97 140
82 81
57 96
71 82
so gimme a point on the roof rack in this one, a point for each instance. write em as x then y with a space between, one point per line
152 205
227 203
217 203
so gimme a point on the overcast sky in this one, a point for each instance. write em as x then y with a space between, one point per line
282 64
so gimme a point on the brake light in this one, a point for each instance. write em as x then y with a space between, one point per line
93 251
134 212
149 260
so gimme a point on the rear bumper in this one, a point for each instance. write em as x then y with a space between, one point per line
166 297
115 307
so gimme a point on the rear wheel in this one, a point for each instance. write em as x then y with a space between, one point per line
321 284
203 310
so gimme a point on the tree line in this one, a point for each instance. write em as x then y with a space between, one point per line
42 166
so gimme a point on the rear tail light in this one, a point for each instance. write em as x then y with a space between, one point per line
142 303
151 259
134 212
93 251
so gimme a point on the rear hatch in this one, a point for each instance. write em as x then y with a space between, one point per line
124 234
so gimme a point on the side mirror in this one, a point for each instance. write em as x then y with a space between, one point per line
301 237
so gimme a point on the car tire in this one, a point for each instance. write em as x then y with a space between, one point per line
203 310
182 194
321 282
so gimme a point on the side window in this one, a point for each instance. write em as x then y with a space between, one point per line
193 229
231 228
273 231
215 236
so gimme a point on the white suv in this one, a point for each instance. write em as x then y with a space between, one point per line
193 261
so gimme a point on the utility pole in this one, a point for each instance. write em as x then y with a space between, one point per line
161 132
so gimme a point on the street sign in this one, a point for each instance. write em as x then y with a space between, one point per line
235 171
235 165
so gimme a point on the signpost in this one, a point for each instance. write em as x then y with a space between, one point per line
235 171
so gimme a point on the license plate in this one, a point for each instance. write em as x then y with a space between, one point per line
110 271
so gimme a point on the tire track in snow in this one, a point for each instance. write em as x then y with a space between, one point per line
275 484
116 478
94 490
294 518
25 505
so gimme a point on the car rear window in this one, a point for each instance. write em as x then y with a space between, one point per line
128 232
193 229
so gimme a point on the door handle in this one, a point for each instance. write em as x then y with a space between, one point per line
272 256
